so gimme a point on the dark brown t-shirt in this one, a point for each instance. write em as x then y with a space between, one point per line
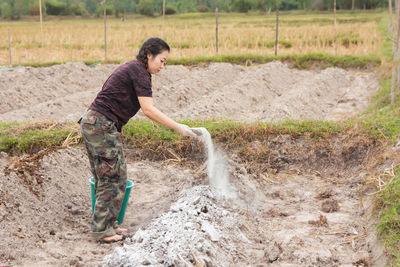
118 99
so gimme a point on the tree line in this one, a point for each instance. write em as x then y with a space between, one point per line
15 9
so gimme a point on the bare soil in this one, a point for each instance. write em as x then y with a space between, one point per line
289 214
298 205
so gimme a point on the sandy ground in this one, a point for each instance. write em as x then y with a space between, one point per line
291 217
270 92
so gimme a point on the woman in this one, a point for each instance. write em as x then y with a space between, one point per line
126 91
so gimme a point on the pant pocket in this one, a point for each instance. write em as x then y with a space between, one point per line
109 164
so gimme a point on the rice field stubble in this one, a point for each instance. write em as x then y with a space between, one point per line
190 35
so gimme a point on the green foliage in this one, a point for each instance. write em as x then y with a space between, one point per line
170 10
5 10
202 8
34 10
78 9
121 7
56 8
53 7
242 6
288 5
91 6
345 4
14 9
146 7
100 10
185 6
304 4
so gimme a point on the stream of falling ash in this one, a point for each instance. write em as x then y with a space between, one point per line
217 167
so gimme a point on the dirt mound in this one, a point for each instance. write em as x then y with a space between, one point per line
269 92
59 92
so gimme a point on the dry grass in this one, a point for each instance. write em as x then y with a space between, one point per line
83 39
382 180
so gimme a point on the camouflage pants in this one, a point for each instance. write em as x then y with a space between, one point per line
107 163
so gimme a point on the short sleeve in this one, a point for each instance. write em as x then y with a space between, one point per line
142 84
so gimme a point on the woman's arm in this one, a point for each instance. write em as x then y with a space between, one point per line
146 104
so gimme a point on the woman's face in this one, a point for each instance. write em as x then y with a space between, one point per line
157 63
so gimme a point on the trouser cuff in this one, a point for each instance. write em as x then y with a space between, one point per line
99 235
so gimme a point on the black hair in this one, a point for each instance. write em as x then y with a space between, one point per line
153 46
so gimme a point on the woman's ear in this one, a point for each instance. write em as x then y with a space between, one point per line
149 56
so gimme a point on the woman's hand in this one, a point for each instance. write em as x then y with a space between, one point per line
185 130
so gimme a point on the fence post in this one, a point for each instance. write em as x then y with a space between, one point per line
216 29
9 47
334 14
41 19
277 28
105 31
163 9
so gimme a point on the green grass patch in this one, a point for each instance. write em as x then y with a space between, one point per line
388 201
148 130
288 22
386 48
270 44
179 44
314 127
17 138
345 40
302 61
42 64
90 62
383 118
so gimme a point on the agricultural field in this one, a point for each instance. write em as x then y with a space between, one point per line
305 166
191 36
